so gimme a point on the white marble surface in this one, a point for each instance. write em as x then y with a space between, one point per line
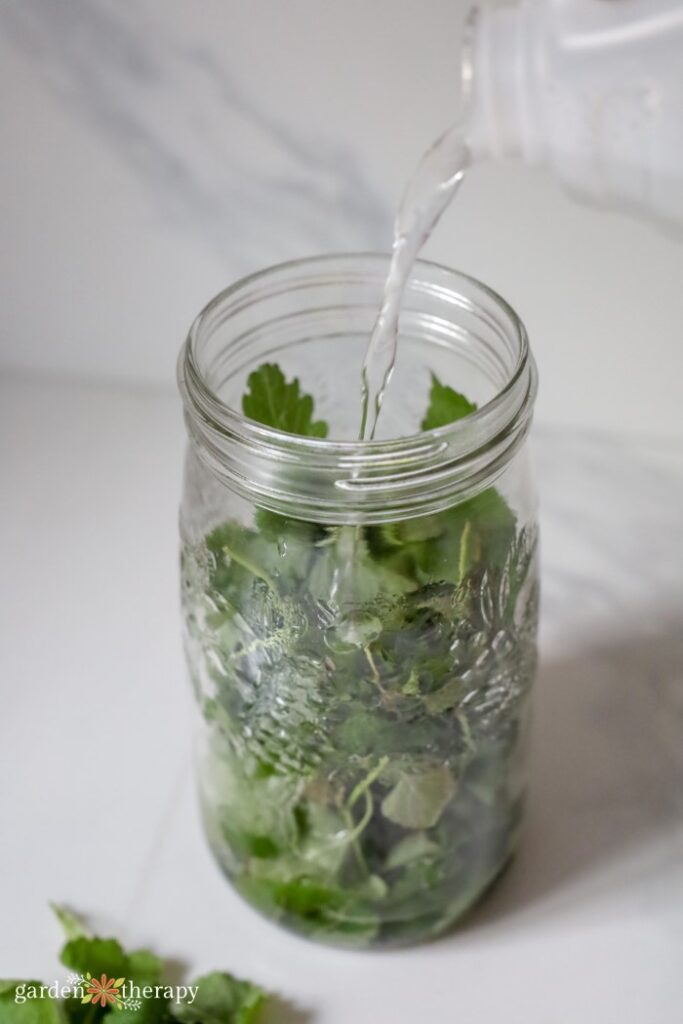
96 801
154 150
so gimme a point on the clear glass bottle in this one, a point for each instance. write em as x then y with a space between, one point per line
589 88
360 618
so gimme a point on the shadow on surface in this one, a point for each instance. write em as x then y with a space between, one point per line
606 770
176 971
281 1011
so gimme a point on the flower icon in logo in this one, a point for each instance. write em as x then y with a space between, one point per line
104 991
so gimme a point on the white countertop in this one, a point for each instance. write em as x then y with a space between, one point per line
96 799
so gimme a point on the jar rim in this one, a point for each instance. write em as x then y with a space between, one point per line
484 439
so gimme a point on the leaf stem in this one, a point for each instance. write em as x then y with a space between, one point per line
365 783
249 566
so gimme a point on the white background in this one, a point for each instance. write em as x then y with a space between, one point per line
154 151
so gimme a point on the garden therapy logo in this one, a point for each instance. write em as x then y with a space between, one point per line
113 993
121 980
105 991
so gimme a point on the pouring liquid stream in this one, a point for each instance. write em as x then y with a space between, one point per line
430 190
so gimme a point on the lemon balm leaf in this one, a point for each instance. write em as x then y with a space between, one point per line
221 999
72 925
31 1010
445 406
417 801
95 956
217 998
275 402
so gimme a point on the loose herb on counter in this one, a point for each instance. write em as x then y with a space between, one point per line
108 983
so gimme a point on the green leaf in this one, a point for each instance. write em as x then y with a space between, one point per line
145 966
40 1010
325 845
257 814
275 402
445 406
99 956
307 897
418 801
491 532
415 846
446 697
365 732
221 999
72 925
107 956
345 573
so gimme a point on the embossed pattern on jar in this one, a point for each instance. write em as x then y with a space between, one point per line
362 665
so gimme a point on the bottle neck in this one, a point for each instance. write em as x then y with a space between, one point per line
591 89
498 69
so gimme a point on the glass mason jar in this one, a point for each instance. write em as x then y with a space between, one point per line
360 617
